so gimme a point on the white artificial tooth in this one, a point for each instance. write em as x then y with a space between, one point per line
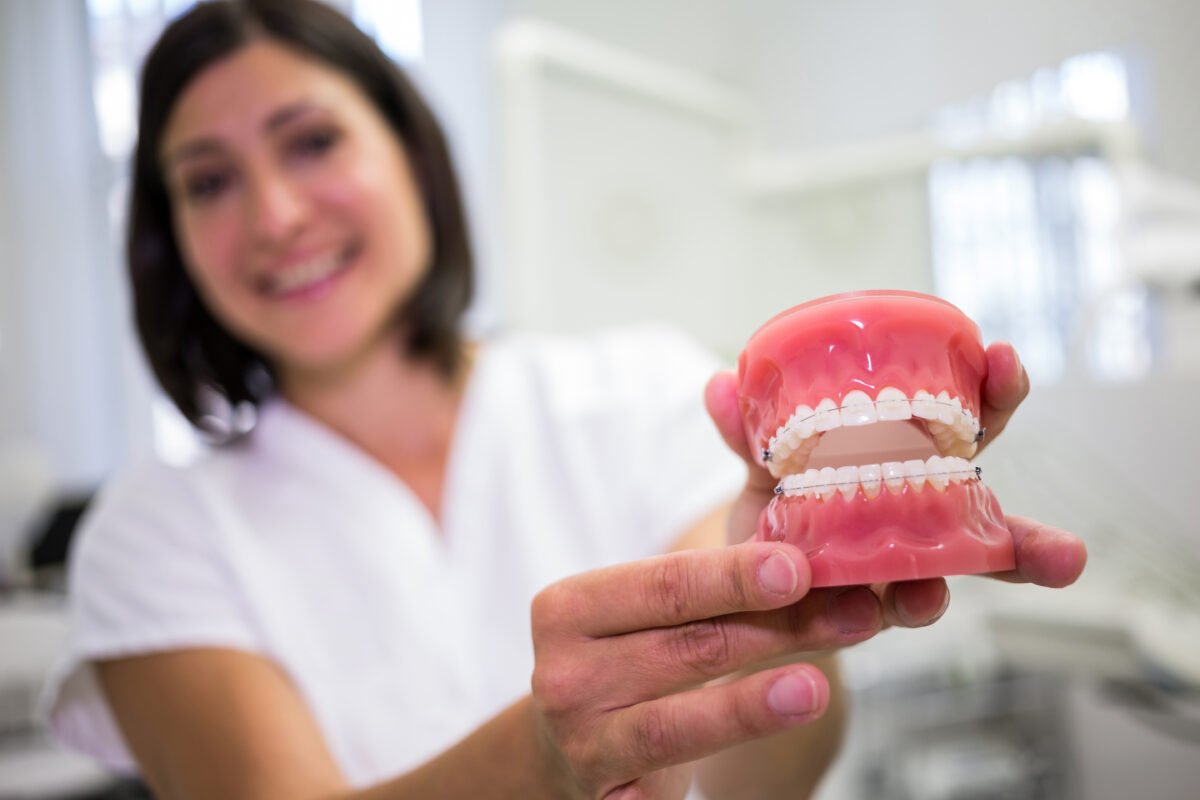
945 411
802 421
914 473
787 485
953 470
923 405
961 425
828 416
809 485
965 472
793 439
827 483
858 409
950 467
944 437
847 480
892 404
935 473
871 478
893 476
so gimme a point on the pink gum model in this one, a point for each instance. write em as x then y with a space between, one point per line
866 407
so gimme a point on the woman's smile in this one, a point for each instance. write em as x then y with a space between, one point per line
308 278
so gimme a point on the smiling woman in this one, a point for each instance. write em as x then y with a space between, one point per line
270 182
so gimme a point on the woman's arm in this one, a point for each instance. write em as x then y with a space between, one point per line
210 723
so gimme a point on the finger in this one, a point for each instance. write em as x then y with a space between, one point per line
1045 555
721 399
676 588
668 659
1006 386
915 604
690 725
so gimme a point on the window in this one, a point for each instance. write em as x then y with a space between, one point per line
1027 245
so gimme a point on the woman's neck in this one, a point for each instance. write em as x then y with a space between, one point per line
399 411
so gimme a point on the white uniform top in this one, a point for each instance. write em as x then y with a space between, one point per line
568 455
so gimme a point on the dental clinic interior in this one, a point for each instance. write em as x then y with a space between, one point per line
706 164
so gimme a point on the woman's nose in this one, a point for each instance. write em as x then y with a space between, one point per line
276 209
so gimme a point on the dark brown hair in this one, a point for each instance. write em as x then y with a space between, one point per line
193 357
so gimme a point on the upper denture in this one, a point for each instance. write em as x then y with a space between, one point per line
859 360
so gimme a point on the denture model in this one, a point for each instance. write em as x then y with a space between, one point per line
866 407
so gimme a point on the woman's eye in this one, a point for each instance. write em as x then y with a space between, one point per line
314 143
205 185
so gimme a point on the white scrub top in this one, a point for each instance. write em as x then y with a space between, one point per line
568 455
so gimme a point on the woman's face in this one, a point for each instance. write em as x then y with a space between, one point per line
295 207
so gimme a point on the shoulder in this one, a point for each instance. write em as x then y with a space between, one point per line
149 514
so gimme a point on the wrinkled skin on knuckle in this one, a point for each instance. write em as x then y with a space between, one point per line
705 646
653 738
671 587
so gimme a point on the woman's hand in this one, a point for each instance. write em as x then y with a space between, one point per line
623 653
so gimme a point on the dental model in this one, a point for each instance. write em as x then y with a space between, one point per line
866 407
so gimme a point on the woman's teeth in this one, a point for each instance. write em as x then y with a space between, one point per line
954 428
304 275
871 479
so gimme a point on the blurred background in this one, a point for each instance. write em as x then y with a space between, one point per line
709 163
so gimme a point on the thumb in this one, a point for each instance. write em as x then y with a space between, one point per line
721 400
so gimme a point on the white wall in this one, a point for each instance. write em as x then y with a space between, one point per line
60 378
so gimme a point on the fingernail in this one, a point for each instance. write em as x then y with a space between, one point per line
777 574
793 694
854 611
911 620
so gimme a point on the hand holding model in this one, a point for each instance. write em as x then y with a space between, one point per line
623 653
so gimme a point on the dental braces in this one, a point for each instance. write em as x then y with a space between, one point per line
779 487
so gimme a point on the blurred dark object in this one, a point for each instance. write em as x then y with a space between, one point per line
125 789
51 539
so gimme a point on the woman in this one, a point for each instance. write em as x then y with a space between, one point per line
337 602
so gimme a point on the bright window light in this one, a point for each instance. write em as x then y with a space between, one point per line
396 26
1026 245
